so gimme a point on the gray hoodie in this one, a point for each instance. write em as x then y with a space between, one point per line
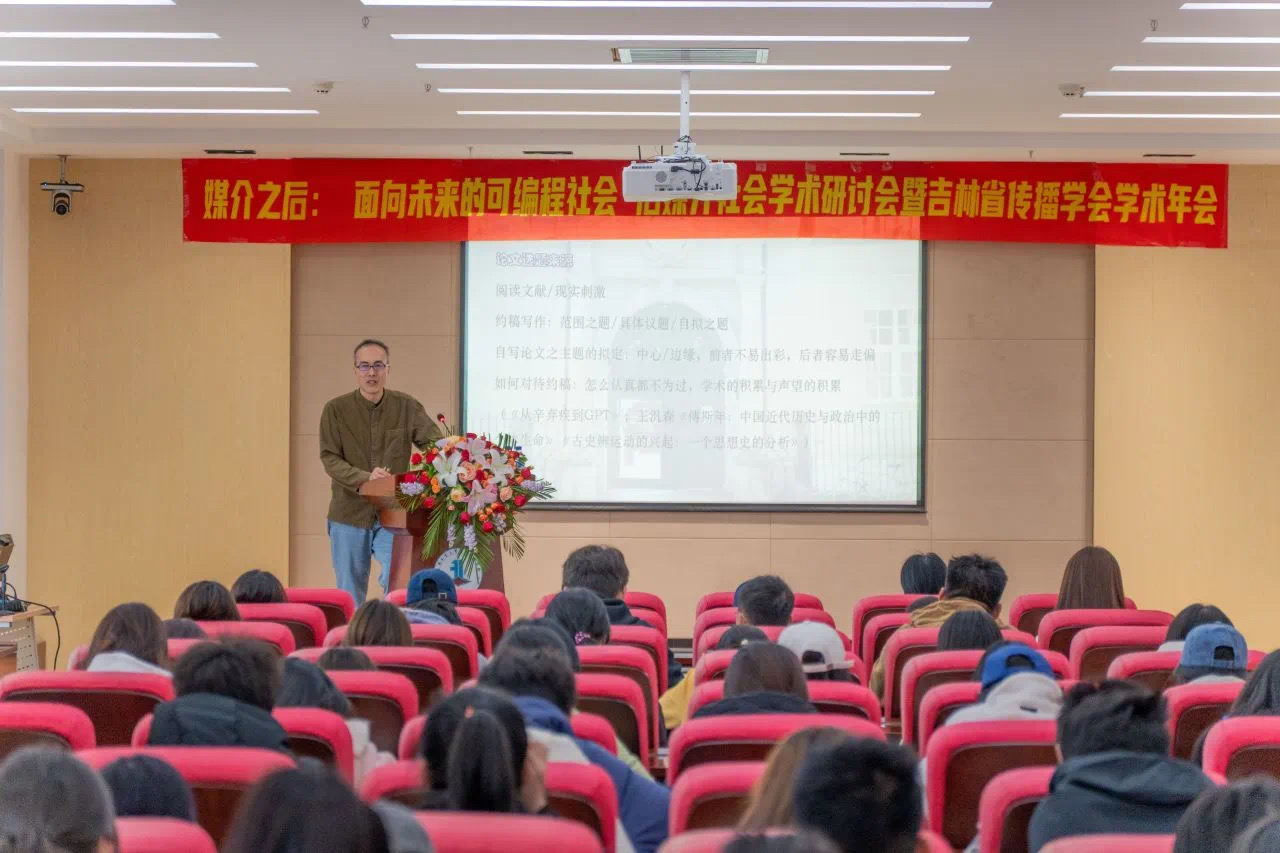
1021 696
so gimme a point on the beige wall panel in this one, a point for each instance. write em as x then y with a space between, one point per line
688 525
850 525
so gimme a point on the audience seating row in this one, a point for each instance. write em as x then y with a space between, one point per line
1153 669
715 840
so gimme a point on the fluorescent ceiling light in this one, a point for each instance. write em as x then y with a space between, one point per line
58 63
1212 40
1230 7
618 66
666 38
148 89
159 111
1244 68
668 114
688 5
105 35
753 92
1172 115
1208 93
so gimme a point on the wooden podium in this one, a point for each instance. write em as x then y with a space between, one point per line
408 528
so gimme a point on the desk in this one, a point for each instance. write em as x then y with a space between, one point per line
18 631
9 657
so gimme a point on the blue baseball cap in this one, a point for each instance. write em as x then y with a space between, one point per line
997 666
1215 646
431 583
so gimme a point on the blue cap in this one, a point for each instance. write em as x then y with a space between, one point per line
997 668
431 583
1215 646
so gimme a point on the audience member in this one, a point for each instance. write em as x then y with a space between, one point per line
146 786
1212 653
1116 775
310 808
603 570
378 623
675 702
305 685
968 630
478 756
974 582
772 800
862 794
922 601
740 635
225 695
130 638
1017 684
1189 617
1260 697
1261 837
802 842
432 599
347 658
763 678
53 803
923 574
184 629
1091 581
258 587
1219 815
206 601
764 600
819 649
582 614
541 680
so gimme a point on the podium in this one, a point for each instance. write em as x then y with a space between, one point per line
408 530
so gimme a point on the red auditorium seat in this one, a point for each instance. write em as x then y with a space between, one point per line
584 793
962 758
1006 806
1193 708
812 614
749 737
114 701
586 726
725 599
647 600
872 606
713 618
707 642
715 840
643 605
218 775
456 832
161 835
386 699
44 724
320 734
306 622
428 669
457 643
876 633
712 795
1058 628
1028 610
940 703
829 697
712 665
1154 668
648 639
141 732
493 605
268 632
478 624
1110 844
410 746
652 618
403 781
179 647
1241 746
620 701
337 605
1093 649
629 662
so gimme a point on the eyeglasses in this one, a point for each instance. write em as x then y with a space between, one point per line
376 367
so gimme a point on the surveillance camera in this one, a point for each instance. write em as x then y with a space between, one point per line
1071 90
60 200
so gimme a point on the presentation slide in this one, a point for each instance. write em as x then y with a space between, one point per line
751 373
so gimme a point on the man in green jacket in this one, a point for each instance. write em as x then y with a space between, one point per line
365 435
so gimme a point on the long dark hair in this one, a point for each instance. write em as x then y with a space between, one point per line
1260 695
1091 581
378 623
475 745
765 666
133 628
308 808
206 601
305 685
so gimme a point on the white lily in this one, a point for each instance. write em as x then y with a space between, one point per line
480 498
502 470
446 465
476 447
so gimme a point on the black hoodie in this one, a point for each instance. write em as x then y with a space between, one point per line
1116 792
207 719
620 614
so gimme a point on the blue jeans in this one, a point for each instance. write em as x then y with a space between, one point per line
351 547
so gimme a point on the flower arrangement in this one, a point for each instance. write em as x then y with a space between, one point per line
474 489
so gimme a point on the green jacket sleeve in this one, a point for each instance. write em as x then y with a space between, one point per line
337 467
422 428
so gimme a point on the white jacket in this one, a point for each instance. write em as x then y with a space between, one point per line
124 662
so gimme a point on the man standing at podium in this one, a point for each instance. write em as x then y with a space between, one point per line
366 435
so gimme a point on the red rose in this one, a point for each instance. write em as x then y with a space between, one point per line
488 527
466 457
520 500
527 473
499 509
431 456
471 435
415 459
429 502
465 518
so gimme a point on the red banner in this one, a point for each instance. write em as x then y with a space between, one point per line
370 201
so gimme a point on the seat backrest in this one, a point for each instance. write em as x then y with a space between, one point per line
44 724
940 703
114 701
713 618
1093 649
1153 669
1059 627
707 642
712 665
584 793
1241 746
493 604
652 618
1193 708
619 700
1006 805
629 662
306 622
712 795
218 775
872 606
905 644
337 605
925 672
1027 610
477 623
319 734
1111 843
176 648
457 643
963 757
595 728
844 697
647 600
403 781
428 669
876 633
410 746
749 737
271 633
455 832
161 835
812 614
386 699
712 599
649 639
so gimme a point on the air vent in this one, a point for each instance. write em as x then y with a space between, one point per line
864 153
238 152
1166 156
691 56
550 153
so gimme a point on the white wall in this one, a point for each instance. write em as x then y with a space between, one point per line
13 359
